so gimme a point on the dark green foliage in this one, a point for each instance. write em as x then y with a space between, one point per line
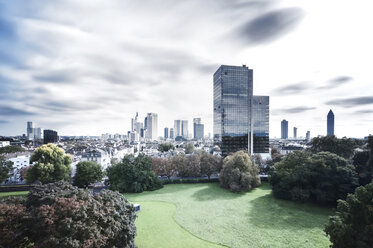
342 147
209 164
87 172
323 177
239 173
11 149
189 148
133 174
352 226
52 165
5 168
363 168
191 181
60 215
165 147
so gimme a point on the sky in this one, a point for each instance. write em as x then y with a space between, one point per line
86 67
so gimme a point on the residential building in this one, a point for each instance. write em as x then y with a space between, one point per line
99 156
4 143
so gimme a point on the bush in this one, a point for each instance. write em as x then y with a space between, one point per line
239 173
61 215
11 149
52 165
165 147
87 172
323 177
5 168
352 226
133 174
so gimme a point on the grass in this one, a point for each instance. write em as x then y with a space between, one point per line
15 193
213 214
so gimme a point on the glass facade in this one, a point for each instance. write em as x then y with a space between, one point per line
284 129
330 123
260 124
233 96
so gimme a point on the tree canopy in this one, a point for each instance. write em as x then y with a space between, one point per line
87 172
5 168
165 147
51 165
11 149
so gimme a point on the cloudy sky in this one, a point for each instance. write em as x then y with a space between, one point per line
86 67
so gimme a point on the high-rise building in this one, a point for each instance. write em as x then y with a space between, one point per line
172 136
233 96
260 122
50 136
308 136
166 132
184 129
152 126
198 129
30 130
177 128
330 123
284 129
295 132
39 133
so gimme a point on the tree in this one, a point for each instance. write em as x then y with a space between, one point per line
165 147
5 168
209 164
51 165
323 177
61 215
11 149
194 166
180 163
363 168
189 148
133 174
342 147
87 172
163 167
239 173
352 225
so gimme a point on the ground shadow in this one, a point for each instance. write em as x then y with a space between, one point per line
270 213
213 191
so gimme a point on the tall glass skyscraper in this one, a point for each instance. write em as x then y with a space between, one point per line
330 123
260 124
284 129
233 97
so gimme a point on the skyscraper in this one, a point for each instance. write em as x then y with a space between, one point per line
260 124
184 129
308 136
166 132
295 132
172 136
198 129
284 129
177 128
330 123
152 127
233 96
30 130
50 136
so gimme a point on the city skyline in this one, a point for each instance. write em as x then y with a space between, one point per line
85 78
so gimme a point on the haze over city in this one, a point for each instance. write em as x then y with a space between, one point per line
86 67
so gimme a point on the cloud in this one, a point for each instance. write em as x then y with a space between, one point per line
12 111
293 110
292 89
335 82
58 76
364 111
351 102
271 26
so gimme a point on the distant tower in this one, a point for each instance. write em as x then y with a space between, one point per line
308 136
330 123
30 130
152 127
184 129
198 129
172 136
295 132
166 133
284 129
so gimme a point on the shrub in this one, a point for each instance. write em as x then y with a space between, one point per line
87 172
352 226
323 177
239 173
61 215
133 174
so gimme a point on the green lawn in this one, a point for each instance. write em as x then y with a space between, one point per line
16 193
177 214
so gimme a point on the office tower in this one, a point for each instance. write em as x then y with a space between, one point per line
166 132
146 123
184 129
233 96
39 133
284 129
260 113
177 128
50 136
198 129
172 136
330 123
30 130
295 132
308 136
152 127
196 120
